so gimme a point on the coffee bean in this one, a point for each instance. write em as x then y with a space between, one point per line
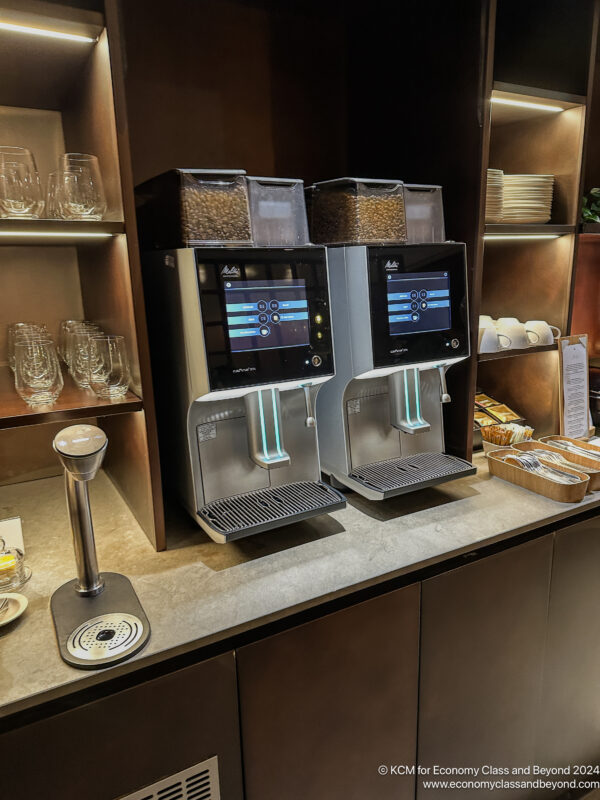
358 213
214 212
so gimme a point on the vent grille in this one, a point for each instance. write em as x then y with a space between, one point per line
400 473
200 782
266 506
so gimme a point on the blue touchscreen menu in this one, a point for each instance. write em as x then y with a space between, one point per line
418 302
262 315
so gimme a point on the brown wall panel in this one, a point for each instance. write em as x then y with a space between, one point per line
569 728
482 649
130 739
324 704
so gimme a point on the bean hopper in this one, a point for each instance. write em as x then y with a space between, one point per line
241 344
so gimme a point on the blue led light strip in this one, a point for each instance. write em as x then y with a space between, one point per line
418 397
276 424
262 424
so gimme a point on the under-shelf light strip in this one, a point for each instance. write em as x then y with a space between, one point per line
504 101
503 237
55 234
72 37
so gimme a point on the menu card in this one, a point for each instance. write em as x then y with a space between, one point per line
574 394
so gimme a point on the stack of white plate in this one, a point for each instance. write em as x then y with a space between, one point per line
527 198
493 195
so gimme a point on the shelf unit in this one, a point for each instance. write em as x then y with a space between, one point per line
60 96
527 271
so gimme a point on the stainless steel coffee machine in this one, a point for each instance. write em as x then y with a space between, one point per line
241 344
400 320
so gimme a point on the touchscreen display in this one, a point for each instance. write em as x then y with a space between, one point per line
267 314
418 302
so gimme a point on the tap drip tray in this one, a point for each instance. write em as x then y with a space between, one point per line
383 479
97 632
244 514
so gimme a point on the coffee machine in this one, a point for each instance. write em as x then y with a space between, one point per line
400 321
241 343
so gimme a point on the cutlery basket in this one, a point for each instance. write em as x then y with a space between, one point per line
563 493
591 466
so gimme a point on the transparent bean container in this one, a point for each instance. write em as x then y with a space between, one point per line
277 212
424 213
358 211
194 207
13 571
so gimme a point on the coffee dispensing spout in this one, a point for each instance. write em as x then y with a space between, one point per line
404 389
265 430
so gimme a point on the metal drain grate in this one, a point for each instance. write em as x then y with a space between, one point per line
200 782
266 508
400 473
105 636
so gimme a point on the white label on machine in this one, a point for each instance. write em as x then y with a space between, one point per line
353 406
206 432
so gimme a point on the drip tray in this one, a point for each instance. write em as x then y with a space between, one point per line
400 475
253 512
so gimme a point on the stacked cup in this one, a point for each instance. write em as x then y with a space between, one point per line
508 333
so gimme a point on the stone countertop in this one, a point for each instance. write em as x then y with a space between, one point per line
199 592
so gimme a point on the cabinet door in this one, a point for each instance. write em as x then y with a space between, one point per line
323 705
570 709
482 649
124 742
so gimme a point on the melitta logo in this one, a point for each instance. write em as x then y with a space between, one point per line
391 266
230 272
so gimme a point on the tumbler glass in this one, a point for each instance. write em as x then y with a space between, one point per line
15 330
109 366
66 326
20 187
38 378
71 343
79 354
81 190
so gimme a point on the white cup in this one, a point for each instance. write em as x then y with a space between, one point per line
490 341
517 333
485 321
546 333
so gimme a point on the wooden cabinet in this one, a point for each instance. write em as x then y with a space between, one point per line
482 650
129 740
569 728
323 705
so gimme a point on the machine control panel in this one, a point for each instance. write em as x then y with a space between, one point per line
265 315
418 301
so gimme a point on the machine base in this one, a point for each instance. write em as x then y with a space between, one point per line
105 629
245 514
383 479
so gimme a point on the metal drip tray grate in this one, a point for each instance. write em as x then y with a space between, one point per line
268 508
405 474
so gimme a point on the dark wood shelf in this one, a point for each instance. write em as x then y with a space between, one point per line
526 228
73 403
512 353
590 227
32 232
